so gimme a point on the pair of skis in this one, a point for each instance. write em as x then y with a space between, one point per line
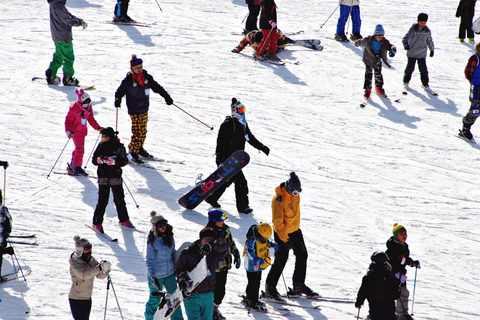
404 92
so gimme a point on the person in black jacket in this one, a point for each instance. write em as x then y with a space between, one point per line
232 135
380 288
136 86
466 12
268 24
110 156
5 229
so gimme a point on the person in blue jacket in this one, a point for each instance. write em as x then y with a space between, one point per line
472 73
160 265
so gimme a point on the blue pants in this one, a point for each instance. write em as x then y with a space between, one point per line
342 20
199 306
170 284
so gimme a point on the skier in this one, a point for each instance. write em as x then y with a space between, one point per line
160 265
253 12
268 24
472 73
216 221
200 302
399 257
61 22
257 258
376 48
5 230
416 41
83 270
76 128
254 38
466 12
380 288
287 233
349 8
110 156
120 13
136 86
232 135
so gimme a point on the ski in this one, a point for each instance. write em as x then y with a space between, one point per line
106 236
133 24
288 34
147 166
277 311
15 276
42 80
320 298
363 103
128 228
274 62
286 302
30 243
75 175
22 236
163 160
429 90
313 44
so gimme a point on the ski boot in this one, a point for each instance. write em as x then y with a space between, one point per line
300 288
341 37
381 92
144 154
272 293
127 224
135 158
465 133
367 93
217 315
356 36
98 227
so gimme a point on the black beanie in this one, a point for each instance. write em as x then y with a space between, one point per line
108 132
422 17
294 182
208 233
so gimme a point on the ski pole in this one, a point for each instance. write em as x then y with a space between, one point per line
284 282
414 286
58 158
136 204
158 5
18 263
349 18
116 121
211 128
265 42
106 299
358 315
330 16
19 285
91 153
4 164
115 294
245 17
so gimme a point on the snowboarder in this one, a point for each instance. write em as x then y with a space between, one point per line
380 288
472 73
76 128
288 235
61 22
254 38
83 270
257 258
5 230
466 12
349 8
376 48
110 156
120 13
160 265
216 221
417 41
136 86
232 135
399 257
200 303
253 12
268 24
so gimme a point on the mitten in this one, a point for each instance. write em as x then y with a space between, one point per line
406 47
169 100
415 264
391 53
105 266
402 277
4 164
155 282
266 150
69 134
238 261
118 102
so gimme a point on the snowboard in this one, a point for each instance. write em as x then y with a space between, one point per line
238 160
42 80
171 301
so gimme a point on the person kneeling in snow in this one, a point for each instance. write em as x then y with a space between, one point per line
254 38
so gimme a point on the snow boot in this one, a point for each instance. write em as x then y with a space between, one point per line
341 37
144 154
272 293
136 159
217 315
356 36
367 93
70 82
273 57
247 210
299 288
127 224
465 132
213 204
52 80
98 227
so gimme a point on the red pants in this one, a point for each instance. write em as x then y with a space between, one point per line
270 38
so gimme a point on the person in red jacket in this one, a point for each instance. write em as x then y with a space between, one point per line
79 114
268 24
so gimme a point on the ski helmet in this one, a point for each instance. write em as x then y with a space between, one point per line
83 97
217 215
379 257
265 230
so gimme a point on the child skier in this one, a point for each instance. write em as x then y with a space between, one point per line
376 48
472 73
257 258
5 230
399 257
216 221
416 41
380 288
79 114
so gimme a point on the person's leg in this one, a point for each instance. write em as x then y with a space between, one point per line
422 67
342 19
356 21
103 195
119 200
409 70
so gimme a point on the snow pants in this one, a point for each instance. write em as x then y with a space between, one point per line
377 68
270 39
80 308
118 199
466 26
77 154
346 11
422 66
241 191
63 56
121 8
139 132
474 111
220 285
199 306
401 308
253 12
253 285
281 257
170 284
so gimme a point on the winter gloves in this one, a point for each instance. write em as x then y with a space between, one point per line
69 134
184 282
431 54
392 51
402 277
154 282
406 47
237 260
415 264
266 150
105 266
205 249
118 102
273 24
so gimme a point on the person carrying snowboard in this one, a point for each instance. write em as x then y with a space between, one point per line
232 135
349 8
472 73
5 230
79 114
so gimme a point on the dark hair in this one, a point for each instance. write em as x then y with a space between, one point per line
108 132
167 236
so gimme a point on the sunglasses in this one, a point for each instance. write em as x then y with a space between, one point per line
161 223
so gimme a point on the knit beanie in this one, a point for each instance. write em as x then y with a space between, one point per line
208 233
422 17
79 244
235 106
396 229
135 61
82 96
154 219
293 183
379 31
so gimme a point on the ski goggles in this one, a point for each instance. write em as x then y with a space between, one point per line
161 223
86 247
241 110
292 191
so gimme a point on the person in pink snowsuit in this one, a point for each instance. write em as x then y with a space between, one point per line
79 114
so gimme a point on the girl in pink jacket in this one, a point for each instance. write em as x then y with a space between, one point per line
76 128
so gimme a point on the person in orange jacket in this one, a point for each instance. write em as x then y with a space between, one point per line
286 226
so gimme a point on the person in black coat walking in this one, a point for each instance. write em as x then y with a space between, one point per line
232 135
466 11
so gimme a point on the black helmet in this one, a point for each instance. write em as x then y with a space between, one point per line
379 257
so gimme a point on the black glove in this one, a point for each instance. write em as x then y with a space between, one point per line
118 102
4 164
266 150
155 282
184 281
431 53
289 244
205 249
357 305
9 250
169 100
237 260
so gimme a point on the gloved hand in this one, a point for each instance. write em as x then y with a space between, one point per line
273 24
391 53
406 47
105 266
402 277
238 261
155 282
107 161
118 102
184 281
357 305
205 249
69 134
169 100
431 53
289 244
84 25
9 250
235 50
415 264
4 164
266 150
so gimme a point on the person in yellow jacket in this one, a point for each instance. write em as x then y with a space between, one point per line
286 226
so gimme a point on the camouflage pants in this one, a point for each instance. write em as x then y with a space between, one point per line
377 68
139 132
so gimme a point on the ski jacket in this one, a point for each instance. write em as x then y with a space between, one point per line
349 2
5 225
110 175
232 136
418 39
252 2
471 72
256 253
398 255
369 57
190 257
77 118
159 258
83 274
466 9
61 21
138 94
268 13
381 289
224 238
285 212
